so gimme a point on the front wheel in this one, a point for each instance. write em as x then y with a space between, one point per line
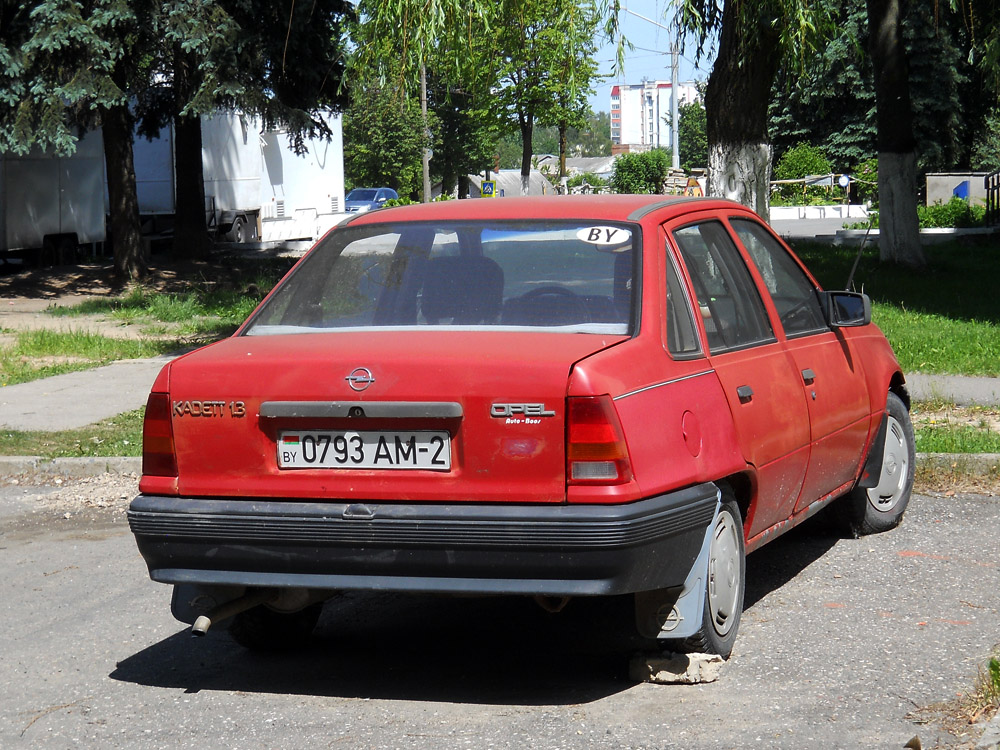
869 510
723 605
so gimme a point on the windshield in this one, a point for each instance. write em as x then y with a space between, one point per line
563 276
361 194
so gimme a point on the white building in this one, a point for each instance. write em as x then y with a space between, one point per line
640 113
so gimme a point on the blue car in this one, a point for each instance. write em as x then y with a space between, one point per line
366 199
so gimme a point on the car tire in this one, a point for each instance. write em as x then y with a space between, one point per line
726 584
238 232
870 510
264 629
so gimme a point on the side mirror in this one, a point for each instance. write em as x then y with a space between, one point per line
846 309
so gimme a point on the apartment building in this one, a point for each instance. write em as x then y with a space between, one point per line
640 113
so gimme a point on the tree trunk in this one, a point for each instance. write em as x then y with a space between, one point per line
527 125
126 239
736 99
899 232
191 238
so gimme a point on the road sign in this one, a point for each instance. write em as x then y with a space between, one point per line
489 189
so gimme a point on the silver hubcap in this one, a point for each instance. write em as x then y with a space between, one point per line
895 469
724 574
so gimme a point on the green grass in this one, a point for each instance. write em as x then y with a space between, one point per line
206 309
118 436
42 353
956 439
941 319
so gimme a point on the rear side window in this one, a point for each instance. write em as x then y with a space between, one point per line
560 276
793 294
728 300
682 336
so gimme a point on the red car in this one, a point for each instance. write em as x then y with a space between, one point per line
555 397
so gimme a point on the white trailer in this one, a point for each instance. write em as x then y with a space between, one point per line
53 202
256 187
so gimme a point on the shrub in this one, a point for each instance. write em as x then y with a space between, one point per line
590 178
866 176
955 213
641 173
798 162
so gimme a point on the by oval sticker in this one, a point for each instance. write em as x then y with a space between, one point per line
605 237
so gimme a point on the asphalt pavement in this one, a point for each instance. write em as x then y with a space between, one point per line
844 643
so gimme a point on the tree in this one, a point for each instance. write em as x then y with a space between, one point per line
574 68
236 54
692 136
114 63
67 68
754 39
464 137
383 140
830 101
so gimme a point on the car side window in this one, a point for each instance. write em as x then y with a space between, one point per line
682 336
728 299
791 290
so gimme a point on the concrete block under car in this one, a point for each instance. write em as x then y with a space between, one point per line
675 669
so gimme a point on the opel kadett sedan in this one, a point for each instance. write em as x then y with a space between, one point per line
556 397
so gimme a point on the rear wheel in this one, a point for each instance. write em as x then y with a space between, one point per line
723 605
869 510
264 629
238 232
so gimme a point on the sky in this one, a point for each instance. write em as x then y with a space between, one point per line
650 57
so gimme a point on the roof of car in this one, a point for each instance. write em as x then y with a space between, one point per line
590 207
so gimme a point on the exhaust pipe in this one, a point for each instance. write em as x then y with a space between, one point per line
233 607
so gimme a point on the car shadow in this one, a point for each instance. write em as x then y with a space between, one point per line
780 561
407 647
474 650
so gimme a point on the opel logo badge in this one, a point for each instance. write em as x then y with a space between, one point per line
360 378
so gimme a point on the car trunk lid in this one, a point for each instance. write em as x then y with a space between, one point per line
443 416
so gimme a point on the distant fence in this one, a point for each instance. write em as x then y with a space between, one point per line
993 198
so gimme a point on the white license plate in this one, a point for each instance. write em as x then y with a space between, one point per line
347 449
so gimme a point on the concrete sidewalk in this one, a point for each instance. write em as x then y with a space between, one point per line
77 399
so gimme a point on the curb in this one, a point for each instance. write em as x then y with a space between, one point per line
974 464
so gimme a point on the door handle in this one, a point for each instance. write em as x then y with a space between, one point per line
808 376
745 393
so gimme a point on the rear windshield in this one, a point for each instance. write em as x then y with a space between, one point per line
361 195
564 276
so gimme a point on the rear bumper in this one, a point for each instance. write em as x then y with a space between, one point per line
445 548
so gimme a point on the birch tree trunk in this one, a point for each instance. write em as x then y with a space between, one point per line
736 99
899 231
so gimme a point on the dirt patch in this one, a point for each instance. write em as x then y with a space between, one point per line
26 294
948 414
109 492
98 279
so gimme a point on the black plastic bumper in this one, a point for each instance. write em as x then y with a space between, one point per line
460 548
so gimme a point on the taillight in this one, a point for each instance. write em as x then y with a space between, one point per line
158 438
595 442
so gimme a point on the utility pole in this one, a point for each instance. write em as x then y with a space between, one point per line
675 150
674 117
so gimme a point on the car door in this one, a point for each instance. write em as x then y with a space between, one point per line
830 376
760 383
